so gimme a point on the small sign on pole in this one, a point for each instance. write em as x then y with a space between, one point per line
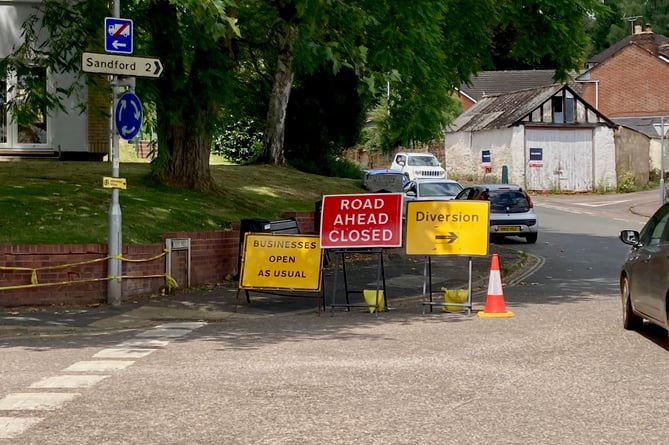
118 35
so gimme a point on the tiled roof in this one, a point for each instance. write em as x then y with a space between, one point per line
503 110
507 109
610 51
642 124
486 83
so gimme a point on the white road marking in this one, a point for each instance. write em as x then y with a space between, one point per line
182 325
98 365
145 343
123 353
160 332
601 203
10 427
565 209
69 381
35 401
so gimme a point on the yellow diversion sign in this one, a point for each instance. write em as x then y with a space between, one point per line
291 262
447 228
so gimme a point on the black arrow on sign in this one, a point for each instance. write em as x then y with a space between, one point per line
451 237
159 68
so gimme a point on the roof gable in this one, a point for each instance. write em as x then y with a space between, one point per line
649 41
509 109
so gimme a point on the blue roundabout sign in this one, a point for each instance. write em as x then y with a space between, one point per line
128 116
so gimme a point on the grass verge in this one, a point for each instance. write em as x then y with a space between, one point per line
48 201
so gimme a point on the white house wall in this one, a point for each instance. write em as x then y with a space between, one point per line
604 149
655 150
463 151
67 131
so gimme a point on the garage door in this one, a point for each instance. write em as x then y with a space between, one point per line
566 160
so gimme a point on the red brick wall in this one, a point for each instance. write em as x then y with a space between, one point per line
214 256
630 84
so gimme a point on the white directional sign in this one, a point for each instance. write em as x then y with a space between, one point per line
121 65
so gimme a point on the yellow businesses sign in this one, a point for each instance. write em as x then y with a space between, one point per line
291 262
447 227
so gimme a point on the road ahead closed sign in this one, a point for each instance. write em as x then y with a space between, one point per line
361 220
447 228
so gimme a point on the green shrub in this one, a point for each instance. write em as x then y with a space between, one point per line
626 182
240 142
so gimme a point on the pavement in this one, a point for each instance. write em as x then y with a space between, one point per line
405 283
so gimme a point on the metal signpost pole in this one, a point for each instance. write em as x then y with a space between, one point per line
661 129
662 190
115 237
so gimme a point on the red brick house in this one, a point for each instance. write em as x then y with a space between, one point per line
628 83
629 78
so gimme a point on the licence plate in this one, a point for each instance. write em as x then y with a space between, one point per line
508 229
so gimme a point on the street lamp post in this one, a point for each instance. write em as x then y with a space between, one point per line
660 128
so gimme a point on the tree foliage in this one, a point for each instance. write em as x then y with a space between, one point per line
309 69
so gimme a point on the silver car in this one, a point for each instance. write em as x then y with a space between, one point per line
430 190
644 277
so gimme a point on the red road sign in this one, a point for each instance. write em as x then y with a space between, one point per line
361 220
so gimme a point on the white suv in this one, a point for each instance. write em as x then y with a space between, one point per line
418 165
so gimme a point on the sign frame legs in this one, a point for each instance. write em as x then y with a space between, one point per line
380 280
427 288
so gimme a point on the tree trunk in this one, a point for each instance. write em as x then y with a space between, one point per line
278 102
185 158
183 108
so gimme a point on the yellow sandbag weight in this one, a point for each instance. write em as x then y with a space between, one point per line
455 296
370 299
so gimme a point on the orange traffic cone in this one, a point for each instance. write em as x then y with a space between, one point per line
494 304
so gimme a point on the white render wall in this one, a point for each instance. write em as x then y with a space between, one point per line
507 148
463 154
604 159
655 150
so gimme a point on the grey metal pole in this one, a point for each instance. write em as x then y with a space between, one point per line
115 237
663 193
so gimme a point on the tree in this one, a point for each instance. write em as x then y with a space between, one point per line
216 51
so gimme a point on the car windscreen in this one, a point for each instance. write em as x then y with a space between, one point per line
436 189
423 161
508 201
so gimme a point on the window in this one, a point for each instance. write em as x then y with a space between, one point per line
655 232
569 110
558 115
28 129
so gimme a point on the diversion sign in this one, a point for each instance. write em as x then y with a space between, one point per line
291 262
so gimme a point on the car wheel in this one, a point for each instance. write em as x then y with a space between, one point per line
631 321
531 238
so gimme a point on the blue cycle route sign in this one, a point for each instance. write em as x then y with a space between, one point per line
128 116
118 35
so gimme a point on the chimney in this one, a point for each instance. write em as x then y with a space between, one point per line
637 29
645 39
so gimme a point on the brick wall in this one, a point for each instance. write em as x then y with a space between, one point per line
629 84
99 127
76 273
